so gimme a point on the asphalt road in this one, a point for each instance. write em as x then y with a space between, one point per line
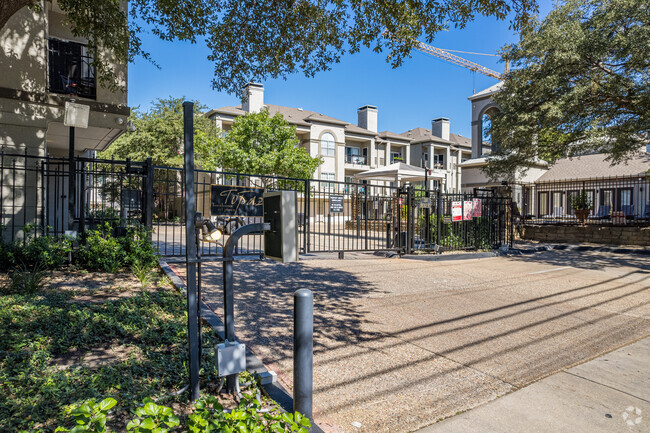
400 344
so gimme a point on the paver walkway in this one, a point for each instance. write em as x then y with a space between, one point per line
400 344
608 394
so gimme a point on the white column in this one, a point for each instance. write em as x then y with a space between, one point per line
372 154
407 154
388 153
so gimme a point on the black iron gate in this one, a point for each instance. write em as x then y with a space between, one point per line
362 217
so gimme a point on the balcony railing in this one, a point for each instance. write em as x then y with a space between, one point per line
356 159
71 69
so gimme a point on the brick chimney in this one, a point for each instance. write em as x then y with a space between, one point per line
367 117
440 128
253 98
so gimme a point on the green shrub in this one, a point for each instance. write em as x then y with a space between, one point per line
104 252
153 418
209 416
46 252
100 251
90 416
138 248
26 280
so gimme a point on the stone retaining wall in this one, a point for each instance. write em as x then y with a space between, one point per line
611 235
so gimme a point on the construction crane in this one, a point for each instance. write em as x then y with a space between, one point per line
446 55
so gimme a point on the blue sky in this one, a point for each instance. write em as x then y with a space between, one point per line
422 89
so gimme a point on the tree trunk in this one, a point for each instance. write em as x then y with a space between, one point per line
9 7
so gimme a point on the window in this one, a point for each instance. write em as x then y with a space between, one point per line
571 195
70 69
625 197
328 176
425 159
327 145
395 157
438 161
607 198
557 203
355 155
543 204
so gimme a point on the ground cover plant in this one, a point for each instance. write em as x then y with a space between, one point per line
61 346
94 352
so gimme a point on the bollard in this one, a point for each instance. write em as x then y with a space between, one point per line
303 357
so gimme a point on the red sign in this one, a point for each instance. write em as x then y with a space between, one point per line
468 210
456 210
477 208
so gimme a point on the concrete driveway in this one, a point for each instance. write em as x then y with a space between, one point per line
400 344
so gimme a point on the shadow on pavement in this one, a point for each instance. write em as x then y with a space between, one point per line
586 259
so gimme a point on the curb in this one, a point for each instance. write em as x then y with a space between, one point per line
565 247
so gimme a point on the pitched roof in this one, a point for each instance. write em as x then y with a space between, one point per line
423 135
393 135
295 116
590 166
487 92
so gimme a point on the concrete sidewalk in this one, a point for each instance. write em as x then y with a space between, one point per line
608 394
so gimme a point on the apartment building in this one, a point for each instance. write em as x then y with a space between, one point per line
45 66
348 149
441 152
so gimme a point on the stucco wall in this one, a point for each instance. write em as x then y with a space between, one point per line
608 235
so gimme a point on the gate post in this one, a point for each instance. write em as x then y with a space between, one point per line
306 221
410 223
147 214
438 215
191 250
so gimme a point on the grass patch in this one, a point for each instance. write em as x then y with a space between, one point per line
38 330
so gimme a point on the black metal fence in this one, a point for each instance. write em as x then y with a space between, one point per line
611 201
332 216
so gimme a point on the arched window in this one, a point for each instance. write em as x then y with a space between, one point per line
487 143
486 122
327 145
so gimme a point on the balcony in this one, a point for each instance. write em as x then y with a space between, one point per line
70 69
356 159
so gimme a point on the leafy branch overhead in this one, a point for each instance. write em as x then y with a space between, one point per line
579 84
251 40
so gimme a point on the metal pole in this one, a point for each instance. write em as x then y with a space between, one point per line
303 352
191 249
228 291
148 196
71 180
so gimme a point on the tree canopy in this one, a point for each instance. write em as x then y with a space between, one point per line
158 133
251 40
579 83
261 144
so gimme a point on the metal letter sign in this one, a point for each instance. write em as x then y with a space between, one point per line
456 210
229 200
336 203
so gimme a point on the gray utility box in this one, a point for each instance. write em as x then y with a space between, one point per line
231 358
281 241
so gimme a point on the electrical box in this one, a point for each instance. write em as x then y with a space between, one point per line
281 241
231 358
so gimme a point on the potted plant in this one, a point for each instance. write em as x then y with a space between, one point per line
581 205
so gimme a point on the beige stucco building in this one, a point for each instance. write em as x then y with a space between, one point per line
348 149
43 66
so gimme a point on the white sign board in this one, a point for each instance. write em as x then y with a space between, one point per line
76 115
425 203
456 210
